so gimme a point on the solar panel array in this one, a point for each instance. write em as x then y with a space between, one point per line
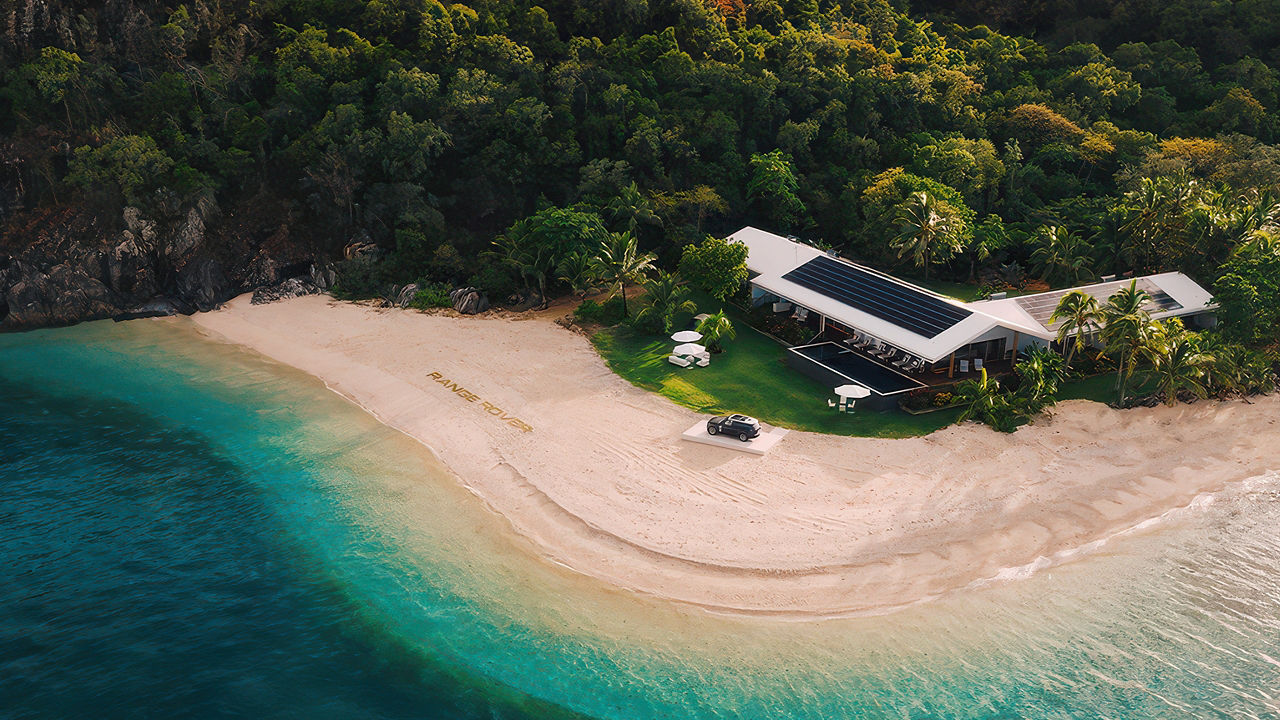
1042 305
919 312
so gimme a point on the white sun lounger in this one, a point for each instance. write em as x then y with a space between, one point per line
677 360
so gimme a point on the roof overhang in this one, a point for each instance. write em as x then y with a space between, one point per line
931 349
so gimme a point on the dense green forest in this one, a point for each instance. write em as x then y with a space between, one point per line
1057 141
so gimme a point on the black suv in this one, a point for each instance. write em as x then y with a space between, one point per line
742 426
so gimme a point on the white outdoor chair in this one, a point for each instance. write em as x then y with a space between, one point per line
677 360
703 361
831 403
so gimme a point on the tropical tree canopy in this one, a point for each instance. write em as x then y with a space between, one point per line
715 265
1078 317
1126 330
620 262
715 329
927 233
666 296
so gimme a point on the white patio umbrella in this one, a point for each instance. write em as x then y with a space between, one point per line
687 336
690 349
852 391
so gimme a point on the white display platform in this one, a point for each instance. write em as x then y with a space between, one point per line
756 446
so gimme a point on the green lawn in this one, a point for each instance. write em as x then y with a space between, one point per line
1098 388
750 377
1102 388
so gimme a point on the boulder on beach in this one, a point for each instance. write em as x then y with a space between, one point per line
469 301
291 288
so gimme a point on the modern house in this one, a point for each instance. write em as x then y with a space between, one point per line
893 336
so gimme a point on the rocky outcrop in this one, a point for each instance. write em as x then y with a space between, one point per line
404 295
323 276
65 265
469 300
291 288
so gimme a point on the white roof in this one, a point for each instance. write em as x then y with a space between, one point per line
932 349
1180 289
773 256
767 252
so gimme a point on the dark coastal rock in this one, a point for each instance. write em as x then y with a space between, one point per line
323 276
160 307
291 288
63 265
188 237
469 301
62 295
202 282
262 271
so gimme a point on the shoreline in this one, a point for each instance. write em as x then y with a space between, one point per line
823 526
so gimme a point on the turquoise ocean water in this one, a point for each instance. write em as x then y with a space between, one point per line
188 530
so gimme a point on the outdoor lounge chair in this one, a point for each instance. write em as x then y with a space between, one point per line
677 360
831 403
703 360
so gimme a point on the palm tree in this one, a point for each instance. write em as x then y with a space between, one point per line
667 296
532 261
1060 254
1176 362
1126 328
621 261
928 232
1039 375
578 271
1079 316
714 328
631 208
982 400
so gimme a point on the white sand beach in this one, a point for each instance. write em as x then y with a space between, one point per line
592 472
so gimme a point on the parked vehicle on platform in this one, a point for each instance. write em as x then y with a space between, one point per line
743 427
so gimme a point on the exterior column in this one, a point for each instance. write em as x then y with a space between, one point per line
1013 358
951 369
822 323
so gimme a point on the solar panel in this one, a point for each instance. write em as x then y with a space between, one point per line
1042 305
919 312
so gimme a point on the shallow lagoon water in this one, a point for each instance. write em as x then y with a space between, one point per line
191 530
